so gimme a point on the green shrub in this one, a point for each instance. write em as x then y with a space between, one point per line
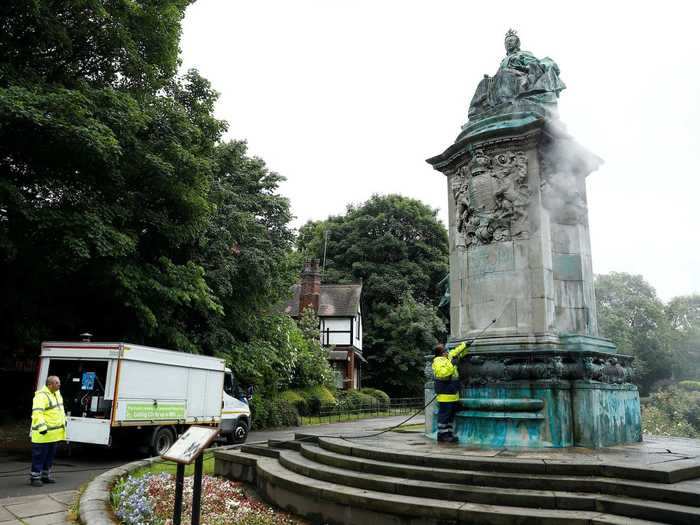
296 400
354 400
259 412
381 396
283 414
272 413
690 386
315 397
672 412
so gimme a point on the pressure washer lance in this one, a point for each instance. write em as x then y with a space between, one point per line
375 434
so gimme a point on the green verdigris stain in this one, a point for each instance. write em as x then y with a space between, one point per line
566 267
524 414
572 414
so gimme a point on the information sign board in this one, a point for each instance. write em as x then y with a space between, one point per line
191 444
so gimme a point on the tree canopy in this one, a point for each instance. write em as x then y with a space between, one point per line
630 313
398 248
122 210
684 315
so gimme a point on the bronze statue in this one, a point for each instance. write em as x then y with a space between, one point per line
522 82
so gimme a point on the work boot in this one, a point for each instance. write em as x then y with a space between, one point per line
447 438
35 482
47 479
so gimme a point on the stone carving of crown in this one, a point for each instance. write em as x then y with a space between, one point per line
512 32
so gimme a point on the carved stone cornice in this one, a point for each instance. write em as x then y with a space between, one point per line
462 151
494 367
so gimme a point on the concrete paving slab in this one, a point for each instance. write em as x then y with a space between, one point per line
5 515
36 508
4 502
56 518
66 497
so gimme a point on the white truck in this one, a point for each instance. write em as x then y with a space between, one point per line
141 396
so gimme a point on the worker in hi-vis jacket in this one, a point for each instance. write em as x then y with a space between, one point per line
48 429
447 385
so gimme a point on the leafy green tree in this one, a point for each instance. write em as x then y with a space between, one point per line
281 355
246 247
411 330
684 315
630 313
397 247
312 367
121 211
267 359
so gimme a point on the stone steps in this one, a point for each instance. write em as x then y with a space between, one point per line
544 482
670 472
332 482
334 503
625 506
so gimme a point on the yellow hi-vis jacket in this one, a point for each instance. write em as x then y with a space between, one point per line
48 415
446 374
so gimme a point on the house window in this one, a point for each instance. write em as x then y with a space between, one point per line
338 374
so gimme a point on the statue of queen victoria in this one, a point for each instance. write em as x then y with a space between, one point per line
523 82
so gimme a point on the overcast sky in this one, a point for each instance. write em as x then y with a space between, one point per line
347 99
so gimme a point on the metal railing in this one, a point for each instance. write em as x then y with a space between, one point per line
348 410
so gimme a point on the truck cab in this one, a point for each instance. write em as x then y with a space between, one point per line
235 412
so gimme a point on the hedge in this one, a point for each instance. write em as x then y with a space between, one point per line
296 400
354 400
317 396
379 395
285 408
271 413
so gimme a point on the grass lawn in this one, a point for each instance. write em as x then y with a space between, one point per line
171 467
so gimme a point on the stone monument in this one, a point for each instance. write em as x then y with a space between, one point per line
520 253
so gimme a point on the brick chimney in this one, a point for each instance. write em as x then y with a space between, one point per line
310 286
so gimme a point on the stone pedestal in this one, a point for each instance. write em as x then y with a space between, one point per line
520 253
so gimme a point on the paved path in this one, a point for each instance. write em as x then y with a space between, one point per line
85 463
70 471
354 428
39 509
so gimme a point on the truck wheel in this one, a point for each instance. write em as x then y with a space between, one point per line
163 438
240 432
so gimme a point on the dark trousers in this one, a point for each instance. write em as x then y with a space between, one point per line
446 417
42 458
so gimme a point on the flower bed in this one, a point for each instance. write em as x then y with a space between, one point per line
150 499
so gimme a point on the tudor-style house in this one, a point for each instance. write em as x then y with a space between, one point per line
340 315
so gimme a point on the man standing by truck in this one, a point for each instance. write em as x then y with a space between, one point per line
48 428
447 387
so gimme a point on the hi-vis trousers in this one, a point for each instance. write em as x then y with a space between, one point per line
446 417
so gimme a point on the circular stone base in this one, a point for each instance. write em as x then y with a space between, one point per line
407 478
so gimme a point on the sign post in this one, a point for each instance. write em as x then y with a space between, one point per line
184 451
179 486
197 489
